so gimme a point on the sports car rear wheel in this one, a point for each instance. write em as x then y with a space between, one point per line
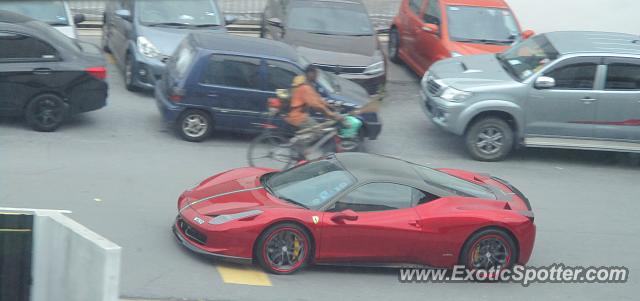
283 249
489 249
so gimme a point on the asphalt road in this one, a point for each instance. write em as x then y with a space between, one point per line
121 169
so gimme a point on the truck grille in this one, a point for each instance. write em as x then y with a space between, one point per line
191 232
341 69
433 86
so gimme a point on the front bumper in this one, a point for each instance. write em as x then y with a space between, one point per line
444 114
147 71
186 242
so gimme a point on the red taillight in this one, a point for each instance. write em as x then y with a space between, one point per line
97 72
176 94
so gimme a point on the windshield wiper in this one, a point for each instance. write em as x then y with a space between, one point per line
485 41
322 33
58 24
168 24
207 25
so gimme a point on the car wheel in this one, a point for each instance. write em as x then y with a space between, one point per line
394 46
194 125
489 139
130 74
489 249
45 113
283 249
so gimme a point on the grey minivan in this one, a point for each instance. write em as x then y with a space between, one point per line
142 34
577 90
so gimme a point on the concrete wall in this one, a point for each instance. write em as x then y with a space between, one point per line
70 262
601 15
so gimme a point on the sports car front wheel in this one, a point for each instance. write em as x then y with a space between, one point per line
283 249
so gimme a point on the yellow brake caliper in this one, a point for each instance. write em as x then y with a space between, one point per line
296 247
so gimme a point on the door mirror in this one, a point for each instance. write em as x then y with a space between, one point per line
275 22
347 215
431 28
545 82
123 14
230 19
79 18
527 34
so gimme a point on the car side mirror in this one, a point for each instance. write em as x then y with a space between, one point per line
79 18
124 14
527 34
228 20
275 22
545 82
431 28
346 215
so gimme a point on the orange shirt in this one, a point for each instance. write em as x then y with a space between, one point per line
304 96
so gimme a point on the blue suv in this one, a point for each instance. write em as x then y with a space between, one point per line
224 82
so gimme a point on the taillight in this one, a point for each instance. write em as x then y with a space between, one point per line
97 72
176 94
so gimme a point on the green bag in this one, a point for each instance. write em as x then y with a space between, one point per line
351 127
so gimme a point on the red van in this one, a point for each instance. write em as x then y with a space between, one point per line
426 31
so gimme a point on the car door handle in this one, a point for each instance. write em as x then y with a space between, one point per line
415 224
42 71
588 100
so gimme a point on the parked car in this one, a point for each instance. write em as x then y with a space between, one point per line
357 209
54 12
426 31
335 35
578 90
225 81
44 75
143 34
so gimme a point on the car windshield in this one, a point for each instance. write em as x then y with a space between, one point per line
50 12
310 185
527 58
456 185
330 18
482 25
179 13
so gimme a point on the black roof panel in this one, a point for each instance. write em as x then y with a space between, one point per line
245 45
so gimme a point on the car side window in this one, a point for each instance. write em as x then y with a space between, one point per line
280 75
378 197
19 47
432 14
415 6
623 76
233 71
574 77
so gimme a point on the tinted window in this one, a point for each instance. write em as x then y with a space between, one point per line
453 184
378 197
527 58
313 184
415 5
22 47
578 76
280 75
623 77
233 71
432 13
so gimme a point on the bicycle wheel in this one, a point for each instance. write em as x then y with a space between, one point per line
271 150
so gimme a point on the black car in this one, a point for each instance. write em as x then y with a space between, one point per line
334 35
141 35
45 76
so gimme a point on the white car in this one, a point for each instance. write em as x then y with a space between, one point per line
53 12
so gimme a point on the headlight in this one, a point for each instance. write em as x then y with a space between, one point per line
375 68
454 95
147 48
455 54
221 219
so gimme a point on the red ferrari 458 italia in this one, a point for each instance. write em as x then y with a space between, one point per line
357 209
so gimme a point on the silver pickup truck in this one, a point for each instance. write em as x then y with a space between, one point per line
578 90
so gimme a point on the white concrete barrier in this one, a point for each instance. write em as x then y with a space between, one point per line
70 262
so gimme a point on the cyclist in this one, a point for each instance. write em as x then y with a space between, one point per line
303 97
